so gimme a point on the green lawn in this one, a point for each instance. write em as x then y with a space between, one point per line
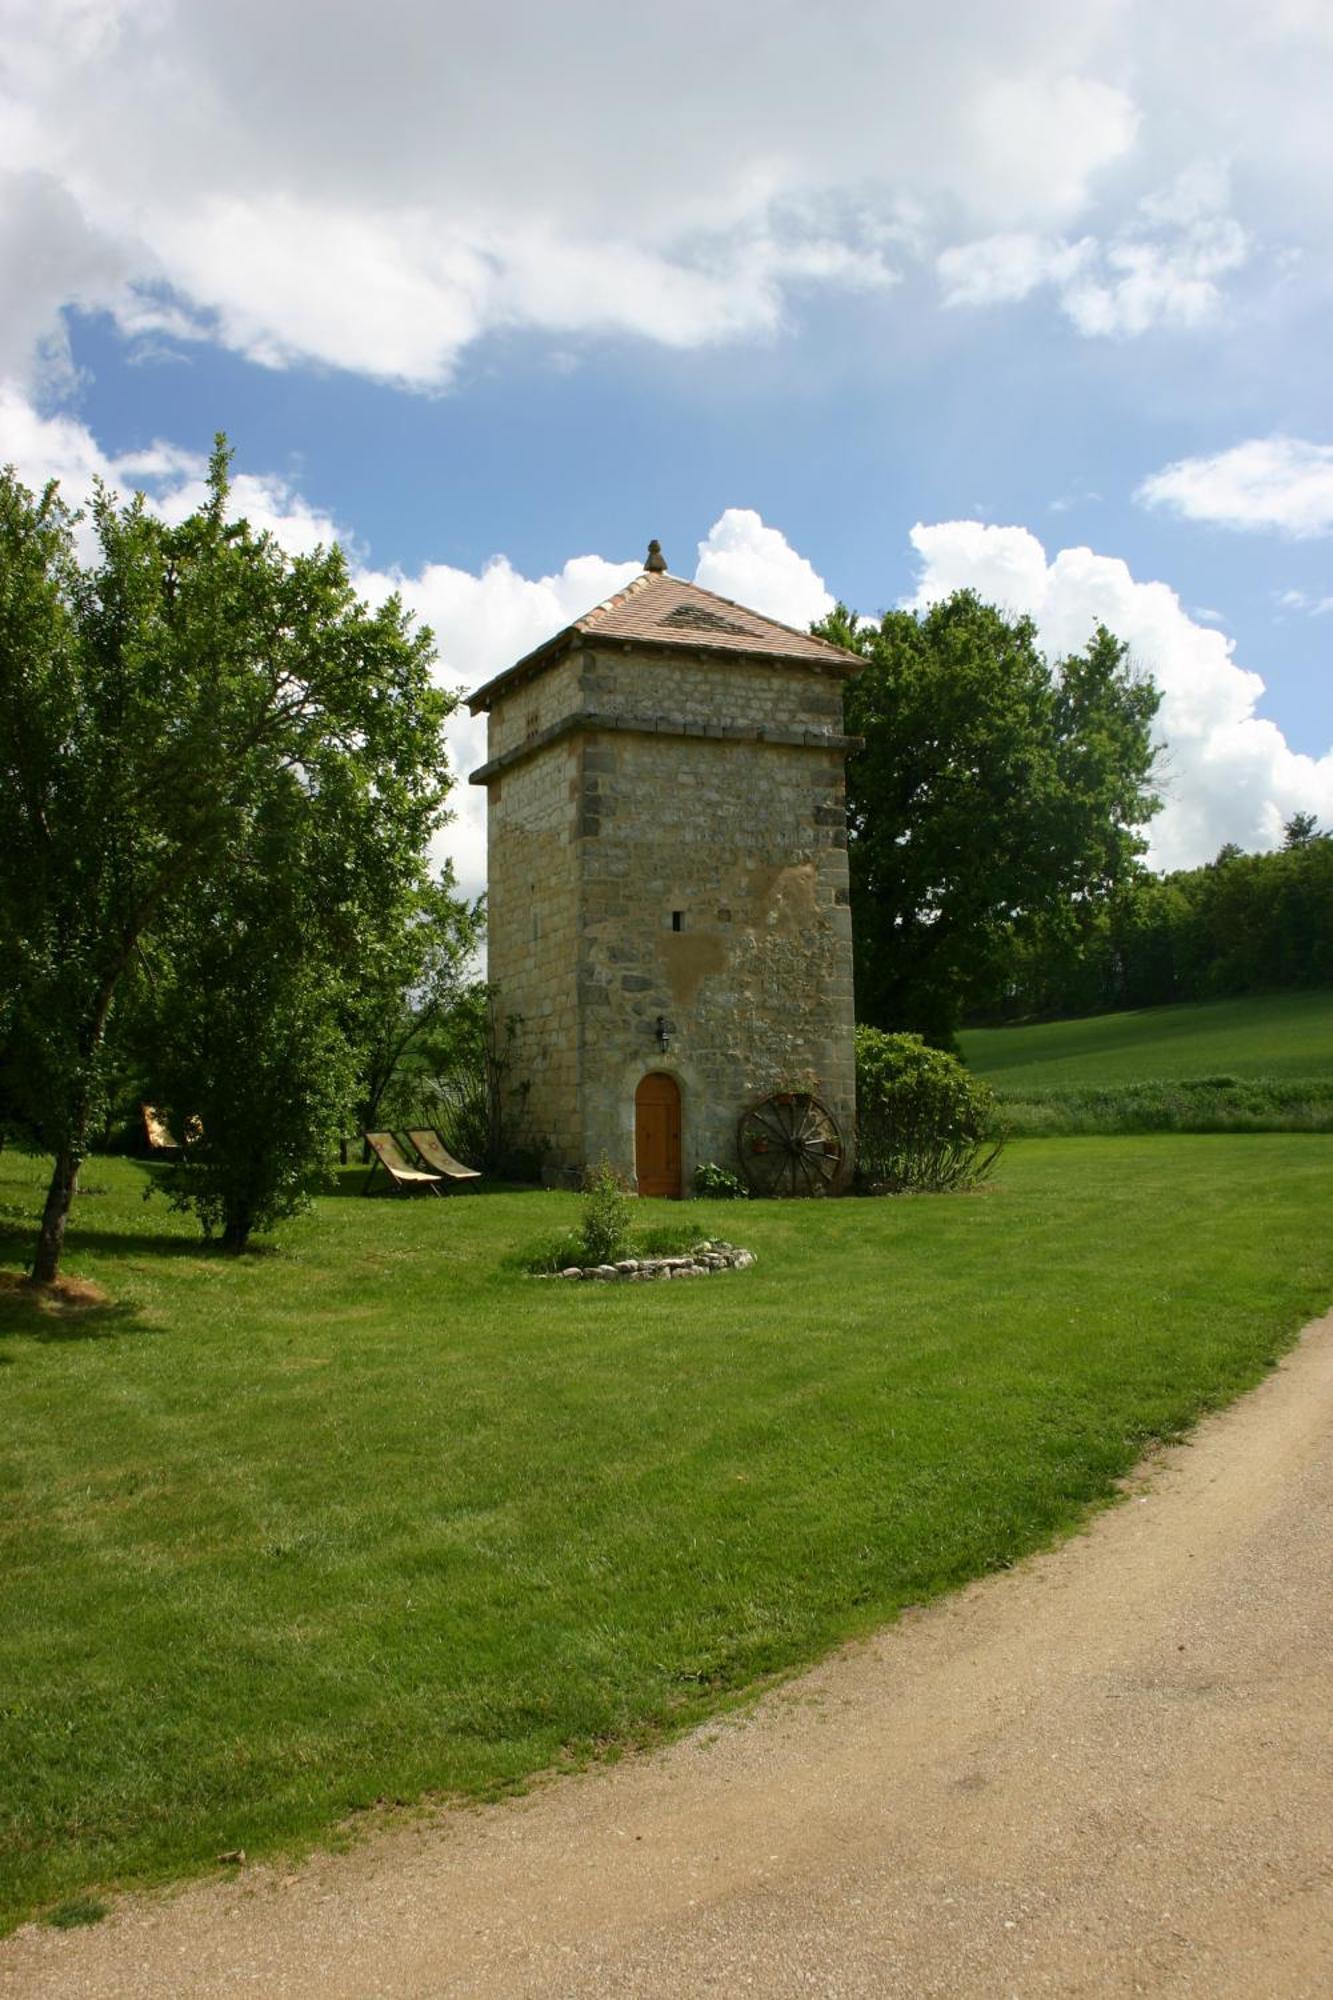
375 1515
1279 1036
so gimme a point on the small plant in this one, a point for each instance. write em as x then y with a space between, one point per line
715 1183
557 1252
924 1123
604 1227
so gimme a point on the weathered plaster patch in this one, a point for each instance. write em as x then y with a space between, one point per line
688 957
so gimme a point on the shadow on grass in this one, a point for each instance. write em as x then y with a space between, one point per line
19 1244
345 1182
69 1310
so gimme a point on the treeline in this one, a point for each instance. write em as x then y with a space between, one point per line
1243 923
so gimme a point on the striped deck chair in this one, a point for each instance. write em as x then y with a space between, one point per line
404 1178
432 1151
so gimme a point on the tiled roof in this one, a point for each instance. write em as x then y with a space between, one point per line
659 609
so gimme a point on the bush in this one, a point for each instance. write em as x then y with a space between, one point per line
715 1183
924 1123
604 1228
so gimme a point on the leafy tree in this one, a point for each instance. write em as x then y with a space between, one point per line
993 792
410 992
1301 829
250 1050
38 575
146 701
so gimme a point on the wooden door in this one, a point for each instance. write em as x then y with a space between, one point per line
657 1135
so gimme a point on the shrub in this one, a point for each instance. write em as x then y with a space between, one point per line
604 1227
715 1183
924 1123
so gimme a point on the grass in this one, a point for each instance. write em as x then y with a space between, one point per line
1257 1065
1194 1104
1280 1036
74 1914
373 1515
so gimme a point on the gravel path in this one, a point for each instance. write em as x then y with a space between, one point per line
1109 1772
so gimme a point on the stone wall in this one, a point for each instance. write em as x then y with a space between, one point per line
655 858
532 928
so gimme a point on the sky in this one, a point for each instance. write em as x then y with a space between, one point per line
847 302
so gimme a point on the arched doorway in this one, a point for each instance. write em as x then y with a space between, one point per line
657 1135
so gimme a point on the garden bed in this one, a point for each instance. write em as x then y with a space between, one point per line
705 1260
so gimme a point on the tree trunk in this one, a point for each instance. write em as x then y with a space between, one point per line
236 1235
59 1196
70 1157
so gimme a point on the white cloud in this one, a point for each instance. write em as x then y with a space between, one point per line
1145 282
1201 190
1278 482
1003 269
755 565
1046 138
50 257
1304 600
1228 773
1161 269
374 190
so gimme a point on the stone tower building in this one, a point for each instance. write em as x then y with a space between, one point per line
668 909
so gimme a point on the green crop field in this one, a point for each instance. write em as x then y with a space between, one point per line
1279 1036
373 1515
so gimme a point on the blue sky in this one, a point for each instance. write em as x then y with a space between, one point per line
839 303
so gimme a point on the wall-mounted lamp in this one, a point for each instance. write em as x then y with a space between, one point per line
663 1034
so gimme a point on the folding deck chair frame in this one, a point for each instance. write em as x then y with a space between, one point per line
431 1150
158 1136
403 1176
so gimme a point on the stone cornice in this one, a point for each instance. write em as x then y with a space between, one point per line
837 665
587 721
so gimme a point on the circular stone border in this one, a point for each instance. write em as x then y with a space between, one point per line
703 1261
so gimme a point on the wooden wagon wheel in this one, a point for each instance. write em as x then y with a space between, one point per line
789 1144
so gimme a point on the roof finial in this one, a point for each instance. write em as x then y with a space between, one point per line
656 563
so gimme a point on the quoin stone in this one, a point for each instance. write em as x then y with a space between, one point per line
670 936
